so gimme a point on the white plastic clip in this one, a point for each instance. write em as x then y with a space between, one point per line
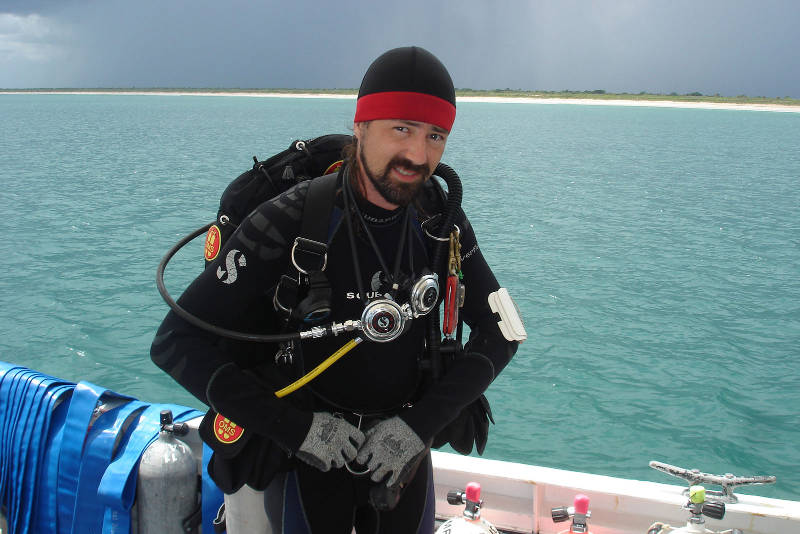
510 323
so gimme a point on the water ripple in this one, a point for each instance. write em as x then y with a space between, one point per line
654 254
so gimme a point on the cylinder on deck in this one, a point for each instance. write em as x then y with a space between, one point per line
167 489
461 525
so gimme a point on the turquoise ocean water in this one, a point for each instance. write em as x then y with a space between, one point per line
654 253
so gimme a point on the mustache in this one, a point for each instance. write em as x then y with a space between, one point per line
398 161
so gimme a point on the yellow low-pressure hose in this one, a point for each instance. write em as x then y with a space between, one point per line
316 371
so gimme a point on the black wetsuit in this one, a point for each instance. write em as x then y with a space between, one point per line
238 379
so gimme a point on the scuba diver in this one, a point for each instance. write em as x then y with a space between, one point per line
335 420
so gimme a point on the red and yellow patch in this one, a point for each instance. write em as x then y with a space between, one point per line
333 167
226 431
213 242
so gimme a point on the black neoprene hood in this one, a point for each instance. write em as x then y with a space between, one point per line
410 69
407 83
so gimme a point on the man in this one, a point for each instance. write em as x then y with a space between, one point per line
341 450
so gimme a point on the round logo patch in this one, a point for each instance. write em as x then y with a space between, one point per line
383 322
213 242
226 430
333 167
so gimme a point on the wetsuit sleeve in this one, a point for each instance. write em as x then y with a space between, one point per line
239 280
485 354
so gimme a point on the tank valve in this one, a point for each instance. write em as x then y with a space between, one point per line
470 521
179 429
579 512
698 506
471 498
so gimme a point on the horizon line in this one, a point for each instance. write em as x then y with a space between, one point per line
595 93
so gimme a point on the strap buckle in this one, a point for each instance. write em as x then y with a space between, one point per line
286 291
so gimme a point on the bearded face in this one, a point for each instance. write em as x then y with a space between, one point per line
395 158
394 191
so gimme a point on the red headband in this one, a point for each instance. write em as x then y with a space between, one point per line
407 106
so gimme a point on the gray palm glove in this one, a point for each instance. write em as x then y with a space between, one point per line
330 442
391 448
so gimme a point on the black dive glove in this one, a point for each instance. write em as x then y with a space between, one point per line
331 442
471 425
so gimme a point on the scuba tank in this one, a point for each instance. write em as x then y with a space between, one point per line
167 489
579 512
470 522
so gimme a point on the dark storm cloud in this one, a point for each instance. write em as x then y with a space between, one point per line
28 7
726 47
714 46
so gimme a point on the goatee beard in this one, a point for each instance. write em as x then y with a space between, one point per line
397 193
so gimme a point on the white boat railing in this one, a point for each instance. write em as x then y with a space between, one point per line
518 498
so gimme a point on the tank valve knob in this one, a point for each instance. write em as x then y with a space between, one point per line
714 510
179 429
455 497
560 514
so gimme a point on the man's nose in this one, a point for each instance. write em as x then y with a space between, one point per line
416 150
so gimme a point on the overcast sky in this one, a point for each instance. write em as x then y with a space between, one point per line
728 47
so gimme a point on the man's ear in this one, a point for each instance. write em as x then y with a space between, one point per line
358 128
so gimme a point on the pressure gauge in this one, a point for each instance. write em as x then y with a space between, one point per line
424 294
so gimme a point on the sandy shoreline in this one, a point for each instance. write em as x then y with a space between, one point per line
485 99
637 103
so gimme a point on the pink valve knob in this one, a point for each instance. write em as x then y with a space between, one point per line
581 504
474 492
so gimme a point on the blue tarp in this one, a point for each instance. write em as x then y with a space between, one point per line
68 467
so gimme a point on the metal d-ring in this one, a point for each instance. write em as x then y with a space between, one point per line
442 239
300 269
347 464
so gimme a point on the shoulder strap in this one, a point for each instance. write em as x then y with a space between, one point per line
318 207
310 247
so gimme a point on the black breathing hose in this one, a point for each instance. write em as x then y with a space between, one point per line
454 195
196 321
